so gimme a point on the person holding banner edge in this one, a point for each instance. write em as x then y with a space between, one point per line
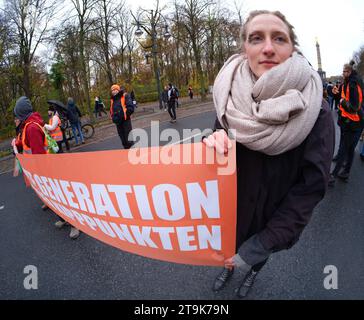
272 97
31 140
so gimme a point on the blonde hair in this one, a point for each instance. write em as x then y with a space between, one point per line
278 14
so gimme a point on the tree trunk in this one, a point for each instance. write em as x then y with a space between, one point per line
200 74
26 80
84 75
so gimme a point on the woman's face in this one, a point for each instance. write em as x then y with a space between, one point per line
267 43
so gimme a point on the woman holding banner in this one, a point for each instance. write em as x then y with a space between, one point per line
271 98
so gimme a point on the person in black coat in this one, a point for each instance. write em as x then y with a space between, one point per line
350 121
121 109
279 183
74 115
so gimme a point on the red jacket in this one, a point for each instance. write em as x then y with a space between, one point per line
34 137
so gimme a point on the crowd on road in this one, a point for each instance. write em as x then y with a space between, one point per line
34 136
282 115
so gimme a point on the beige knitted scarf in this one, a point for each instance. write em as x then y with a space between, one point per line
273 114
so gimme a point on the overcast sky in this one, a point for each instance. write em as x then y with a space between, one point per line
338 25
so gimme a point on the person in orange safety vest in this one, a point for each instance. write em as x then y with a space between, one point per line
54 127
121 108
350 120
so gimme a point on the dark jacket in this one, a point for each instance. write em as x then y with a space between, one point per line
117 108
353 105
73 114
277 194
34 136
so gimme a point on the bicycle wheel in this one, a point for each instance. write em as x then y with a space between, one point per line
88 130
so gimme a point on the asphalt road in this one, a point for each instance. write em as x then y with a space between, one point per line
88 269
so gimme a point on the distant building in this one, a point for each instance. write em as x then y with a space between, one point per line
319 70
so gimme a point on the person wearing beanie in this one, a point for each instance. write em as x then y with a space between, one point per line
31 136
115 87
121 108
23 108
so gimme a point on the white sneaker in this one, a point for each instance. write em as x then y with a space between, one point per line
60 224
74 234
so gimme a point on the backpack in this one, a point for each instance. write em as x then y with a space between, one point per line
173 94
51 143
132 96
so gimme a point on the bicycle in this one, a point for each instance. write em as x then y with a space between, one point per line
88 130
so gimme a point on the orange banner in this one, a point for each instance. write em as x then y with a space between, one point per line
164 203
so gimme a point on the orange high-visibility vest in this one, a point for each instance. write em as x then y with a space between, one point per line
26 148
123 105
346 95
56 134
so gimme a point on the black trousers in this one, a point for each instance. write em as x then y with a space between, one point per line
259 266
124 129
172 109
59 143
65 140
348 142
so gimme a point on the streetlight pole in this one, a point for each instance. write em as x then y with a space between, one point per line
155 59
153 34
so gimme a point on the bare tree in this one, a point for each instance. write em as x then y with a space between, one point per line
30 22
84 9
358 58
194 13
105 10
125 29
239 11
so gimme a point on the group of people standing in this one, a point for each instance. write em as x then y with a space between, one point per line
58 124
31 137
